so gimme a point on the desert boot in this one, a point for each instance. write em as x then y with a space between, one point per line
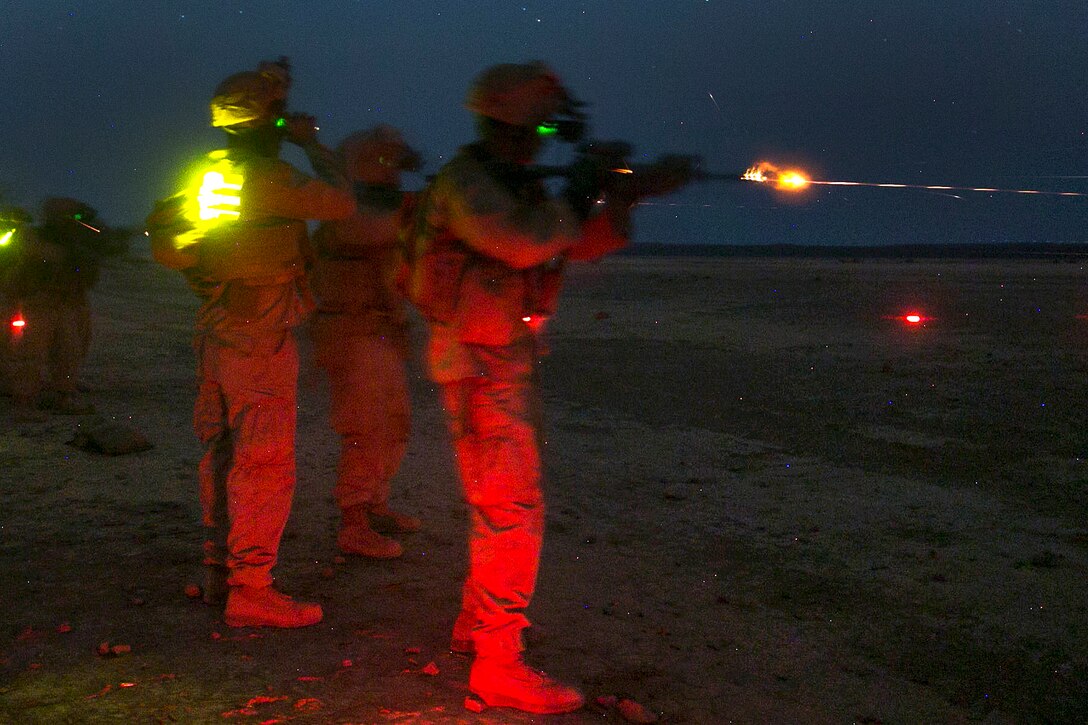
266 607
357 537
509 682
388 521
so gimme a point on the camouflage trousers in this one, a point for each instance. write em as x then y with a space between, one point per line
245 418
48 350
494 421
369 409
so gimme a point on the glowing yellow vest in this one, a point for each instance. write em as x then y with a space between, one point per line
236 242
213 196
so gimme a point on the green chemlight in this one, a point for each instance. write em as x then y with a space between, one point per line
547 129
6 237
281 122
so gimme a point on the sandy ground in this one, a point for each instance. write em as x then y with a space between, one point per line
769 502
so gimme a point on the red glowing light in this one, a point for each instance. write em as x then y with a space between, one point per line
535 322
18 322
914 319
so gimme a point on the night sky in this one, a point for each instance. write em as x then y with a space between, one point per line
107 100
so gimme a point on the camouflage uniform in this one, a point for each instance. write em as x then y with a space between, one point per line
249 272
250 278
508 239
360 335
48 281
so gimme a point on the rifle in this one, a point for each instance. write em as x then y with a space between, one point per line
601 167
611 156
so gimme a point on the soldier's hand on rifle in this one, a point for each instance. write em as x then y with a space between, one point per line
586 181
594 173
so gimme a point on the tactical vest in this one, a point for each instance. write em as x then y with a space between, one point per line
489 302
246 250
358 260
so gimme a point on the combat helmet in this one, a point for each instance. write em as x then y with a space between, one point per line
253 97
377 155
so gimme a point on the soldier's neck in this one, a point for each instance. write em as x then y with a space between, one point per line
254 144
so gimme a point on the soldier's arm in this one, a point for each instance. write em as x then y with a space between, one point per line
601 234
489 219
328 166
164 225
280 190
607 229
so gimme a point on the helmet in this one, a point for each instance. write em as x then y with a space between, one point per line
14 216
250 98
58 209
377 155
520 94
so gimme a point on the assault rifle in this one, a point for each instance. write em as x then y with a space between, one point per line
602 166
611 157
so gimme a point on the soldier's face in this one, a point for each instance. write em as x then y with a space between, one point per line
518 144
265 139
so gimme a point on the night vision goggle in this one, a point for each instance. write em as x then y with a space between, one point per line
571 130
568 124
281 123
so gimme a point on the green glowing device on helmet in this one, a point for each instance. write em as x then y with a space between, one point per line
570 127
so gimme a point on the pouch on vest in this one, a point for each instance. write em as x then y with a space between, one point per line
434 265
434 283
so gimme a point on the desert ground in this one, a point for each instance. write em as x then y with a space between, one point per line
770 501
